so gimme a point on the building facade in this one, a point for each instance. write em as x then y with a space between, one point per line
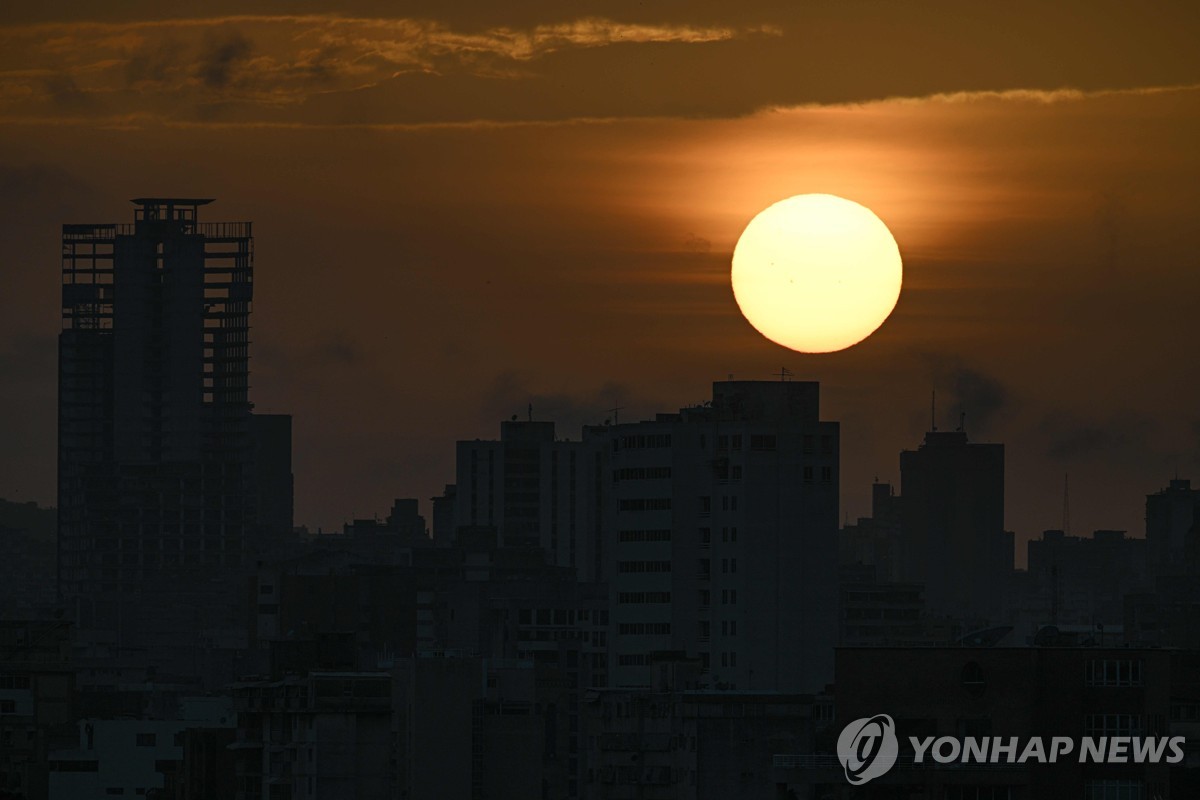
163 471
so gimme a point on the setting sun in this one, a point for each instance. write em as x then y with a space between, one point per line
816 273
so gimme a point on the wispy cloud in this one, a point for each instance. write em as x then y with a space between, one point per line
286 59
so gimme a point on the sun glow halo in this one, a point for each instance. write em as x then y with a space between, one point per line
816 273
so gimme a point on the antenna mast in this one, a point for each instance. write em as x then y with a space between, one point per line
1066 504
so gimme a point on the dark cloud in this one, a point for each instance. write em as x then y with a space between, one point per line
967 393
154 62
221 56
339 349
1127 436
65 93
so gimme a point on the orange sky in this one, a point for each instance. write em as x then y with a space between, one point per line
456 216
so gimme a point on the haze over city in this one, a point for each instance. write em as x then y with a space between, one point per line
459 213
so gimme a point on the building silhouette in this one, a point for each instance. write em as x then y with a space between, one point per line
534 490
722 525
714 528
1171 531
952 521
164 472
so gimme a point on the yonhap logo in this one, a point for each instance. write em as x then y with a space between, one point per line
868 748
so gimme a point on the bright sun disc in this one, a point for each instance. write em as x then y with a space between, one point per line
816 273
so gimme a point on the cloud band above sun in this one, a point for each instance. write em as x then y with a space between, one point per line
528 62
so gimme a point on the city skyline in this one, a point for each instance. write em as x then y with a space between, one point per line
599 401
1040 203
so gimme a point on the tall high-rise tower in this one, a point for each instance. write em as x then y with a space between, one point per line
157 476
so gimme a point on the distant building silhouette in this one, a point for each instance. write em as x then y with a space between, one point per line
1082 581
875 540
952 518
715 528
1171 527
164 472
534 490
721 522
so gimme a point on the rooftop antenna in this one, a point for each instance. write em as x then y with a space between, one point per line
962 421
530 412
1066 504
933 411
784 373
730 376
616 412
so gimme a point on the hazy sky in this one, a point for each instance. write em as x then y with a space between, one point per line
461 212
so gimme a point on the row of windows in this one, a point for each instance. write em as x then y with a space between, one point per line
641 473
641 441
768 442
644 566
556 616
826 474
646 504
729 502
644 628
658 535
634 598
1113 725
725 472
1113 672
1114 790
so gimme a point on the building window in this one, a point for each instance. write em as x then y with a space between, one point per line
646 504
762 441
972 679
643 566
1113 725
1113 672
638 598
1113 790
808 474
146 740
